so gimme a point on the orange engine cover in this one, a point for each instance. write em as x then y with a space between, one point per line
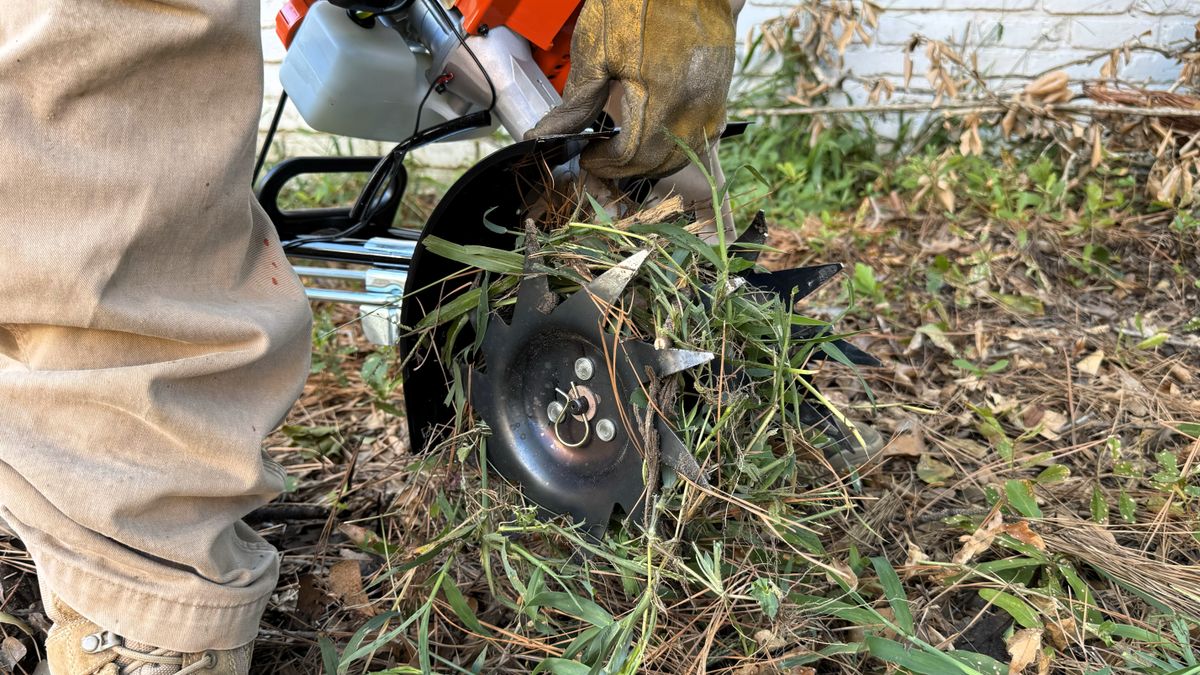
547 24
289 18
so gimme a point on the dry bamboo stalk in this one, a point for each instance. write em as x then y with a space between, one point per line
959 108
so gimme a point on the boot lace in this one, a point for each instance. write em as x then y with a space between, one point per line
138 659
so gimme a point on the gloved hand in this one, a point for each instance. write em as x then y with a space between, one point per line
675 60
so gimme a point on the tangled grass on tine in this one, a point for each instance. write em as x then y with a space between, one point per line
721 575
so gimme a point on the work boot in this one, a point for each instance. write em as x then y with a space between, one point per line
851 455
77 646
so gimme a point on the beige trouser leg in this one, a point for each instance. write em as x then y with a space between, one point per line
151 331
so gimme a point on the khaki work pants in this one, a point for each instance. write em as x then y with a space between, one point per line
151 330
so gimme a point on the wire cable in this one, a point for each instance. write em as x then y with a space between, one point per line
375 194
462 40
266 146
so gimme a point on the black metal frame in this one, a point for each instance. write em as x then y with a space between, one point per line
498 190
292 225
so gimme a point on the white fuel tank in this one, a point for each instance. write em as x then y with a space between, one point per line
361 82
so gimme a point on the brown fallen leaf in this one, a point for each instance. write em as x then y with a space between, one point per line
359 536
1032 416
843 571
768 640
1021 531
1090 364
345 583
1023 648
1051 422
1059 631
310 599
980 540
1179 372
915 556
905 445
12 651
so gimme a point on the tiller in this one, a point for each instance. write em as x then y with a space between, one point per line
414 72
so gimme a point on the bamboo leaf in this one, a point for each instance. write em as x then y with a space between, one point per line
558 666
483 257
461 609
1022 613
329 655
9 619
1020 497
920 662
893 590
572 605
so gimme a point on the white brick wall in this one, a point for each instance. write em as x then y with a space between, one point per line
1014 39
1019 38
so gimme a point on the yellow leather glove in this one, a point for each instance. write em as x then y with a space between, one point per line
675 60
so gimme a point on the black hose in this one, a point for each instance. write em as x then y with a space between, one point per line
262 154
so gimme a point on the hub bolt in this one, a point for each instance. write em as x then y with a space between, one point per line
584 369
605 430
555 411
578 406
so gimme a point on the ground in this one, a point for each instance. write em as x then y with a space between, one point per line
1031 283
1036 497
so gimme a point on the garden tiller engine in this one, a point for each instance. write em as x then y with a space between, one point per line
552 385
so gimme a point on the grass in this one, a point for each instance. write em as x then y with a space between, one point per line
1032 496
1037 501
1036 508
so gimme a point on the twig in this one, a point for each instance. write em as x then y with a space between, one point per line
962 108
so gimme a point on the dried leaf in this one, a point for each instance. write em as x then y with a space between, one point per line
310 600
1109 69
1051 422
1060 96
1043 663
946 197
847 36
1090 364
12 651
932 471
1059 630
870 15
1170 186
1009 122
843 571
815 131
905 445
1097 148
1049 84
1021 531
980 540
768 640
1023 648
345 583
862 34
914 555
936 335
970 142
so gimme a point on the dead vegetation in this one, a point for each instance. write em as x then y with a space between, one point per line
1036 507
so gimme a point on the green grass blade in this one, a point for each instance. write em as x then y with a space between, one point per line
893 590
